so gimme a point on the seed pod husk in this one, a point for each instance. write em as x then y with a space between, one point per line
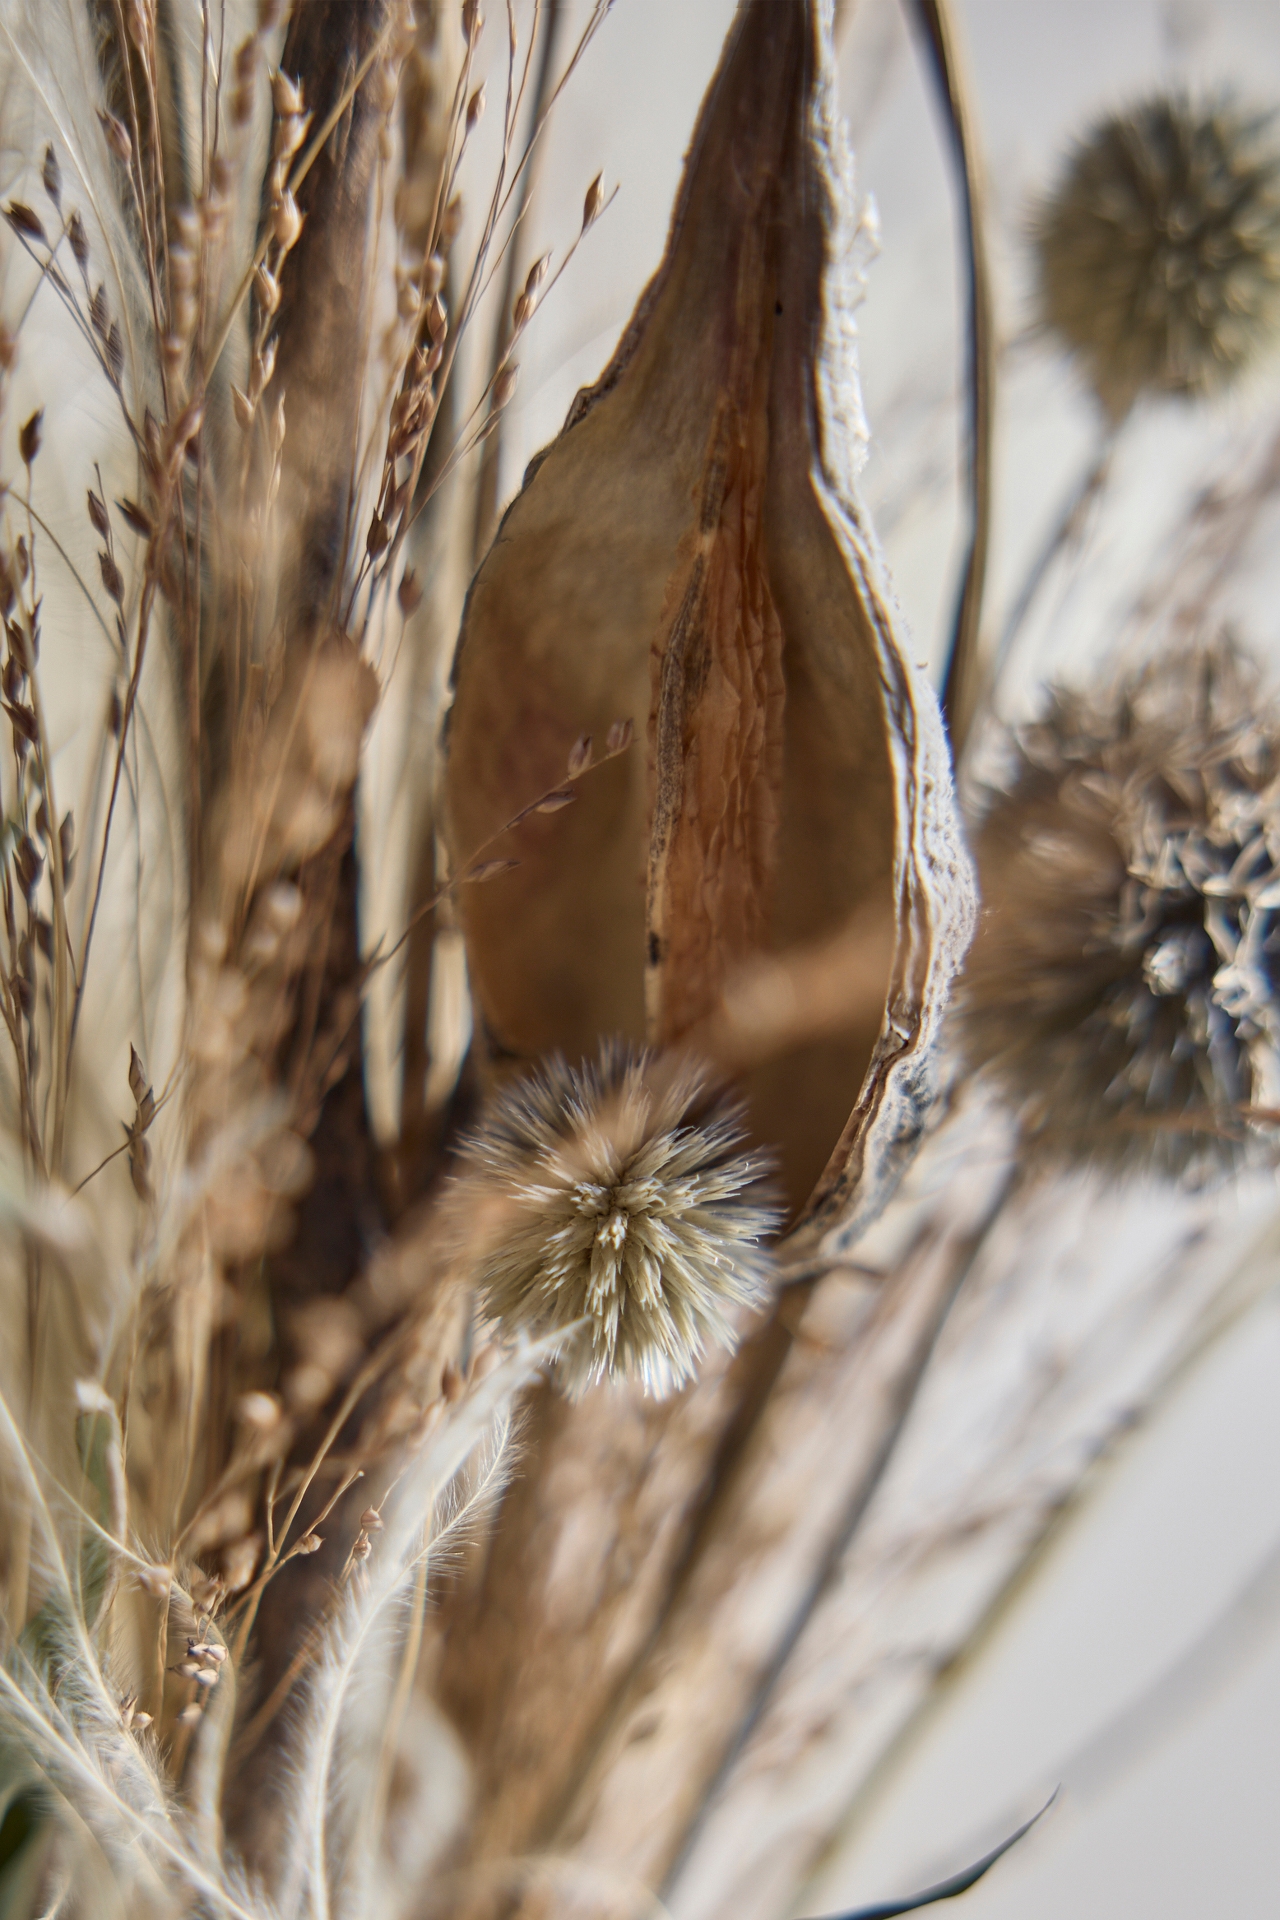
692 552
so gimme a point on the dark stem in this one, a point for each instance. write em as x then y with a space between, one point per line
960 680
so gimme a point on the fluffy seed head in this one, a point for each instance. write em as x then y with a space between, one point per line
1159 248
620 1192
1125 983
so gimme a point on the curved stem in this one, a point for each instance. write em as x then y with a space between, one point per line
961 680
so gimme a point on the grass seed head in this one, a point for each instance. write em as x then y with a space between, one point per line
1159 248
621 1192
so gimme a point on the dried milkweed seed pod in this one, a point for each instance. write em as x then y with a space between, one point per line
1122 983
620 1193
692 552
1159 248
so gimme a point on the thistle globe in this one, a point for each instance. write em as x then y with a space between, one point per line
1159 248
1124 984
620 1193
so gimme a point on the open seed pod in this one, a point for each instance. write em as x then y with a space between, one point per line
779 880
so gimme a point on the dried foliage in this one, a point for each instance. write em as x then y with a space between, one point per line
378 1065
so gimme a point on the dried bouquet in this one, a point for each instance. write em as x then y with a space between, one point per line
471 984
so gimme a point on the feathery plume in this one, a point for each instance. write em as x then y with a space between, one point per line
1159 248
1123 981
619 1192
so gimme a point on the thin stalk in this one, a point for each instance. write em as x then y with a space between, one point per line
827 1571
1065 529
490 463
960 682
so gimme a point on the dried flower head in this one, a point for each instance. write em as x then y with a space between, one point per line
619 1192
1123 984
1159 248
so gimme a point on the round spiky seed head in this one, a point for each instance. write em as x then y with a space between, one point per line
1125 983
620 1193
1159 248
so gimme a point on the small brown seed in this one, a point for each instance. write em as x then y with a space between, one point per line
579 756
112 578
286 94
23 219
593 202
29 437
117 137
137 517
489 870
286 221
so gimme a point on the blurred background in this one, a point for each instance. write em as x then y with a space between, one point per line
1127 1646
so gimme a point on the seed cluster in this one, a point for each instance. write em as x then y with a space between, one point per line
1159 248
622 1194
1124 983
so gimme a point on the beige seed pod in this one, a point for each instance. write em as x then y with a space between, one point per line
692 552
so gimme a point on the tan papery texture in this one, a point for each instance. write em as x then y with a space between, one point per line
691 553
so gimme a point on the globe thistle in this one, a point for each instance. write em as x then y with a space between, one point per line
1159 248
621 1193
1124 981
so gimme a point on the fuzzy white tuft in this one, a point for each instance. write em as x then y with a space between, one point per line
619 1192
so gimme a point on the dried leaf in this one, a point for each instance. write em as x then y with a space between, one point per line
693 547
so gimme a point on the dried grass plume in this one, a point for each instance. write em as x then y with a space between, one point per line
621 1192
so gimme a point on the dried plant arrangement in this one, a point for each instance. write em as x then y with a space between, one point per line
474 984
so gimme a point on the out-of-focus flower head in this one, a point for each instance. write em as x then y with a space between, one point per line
1159 248
620 1193
1124 984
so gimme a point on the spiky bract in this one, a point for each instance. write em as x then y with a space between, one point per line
622 1193
1124 981
1159 248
